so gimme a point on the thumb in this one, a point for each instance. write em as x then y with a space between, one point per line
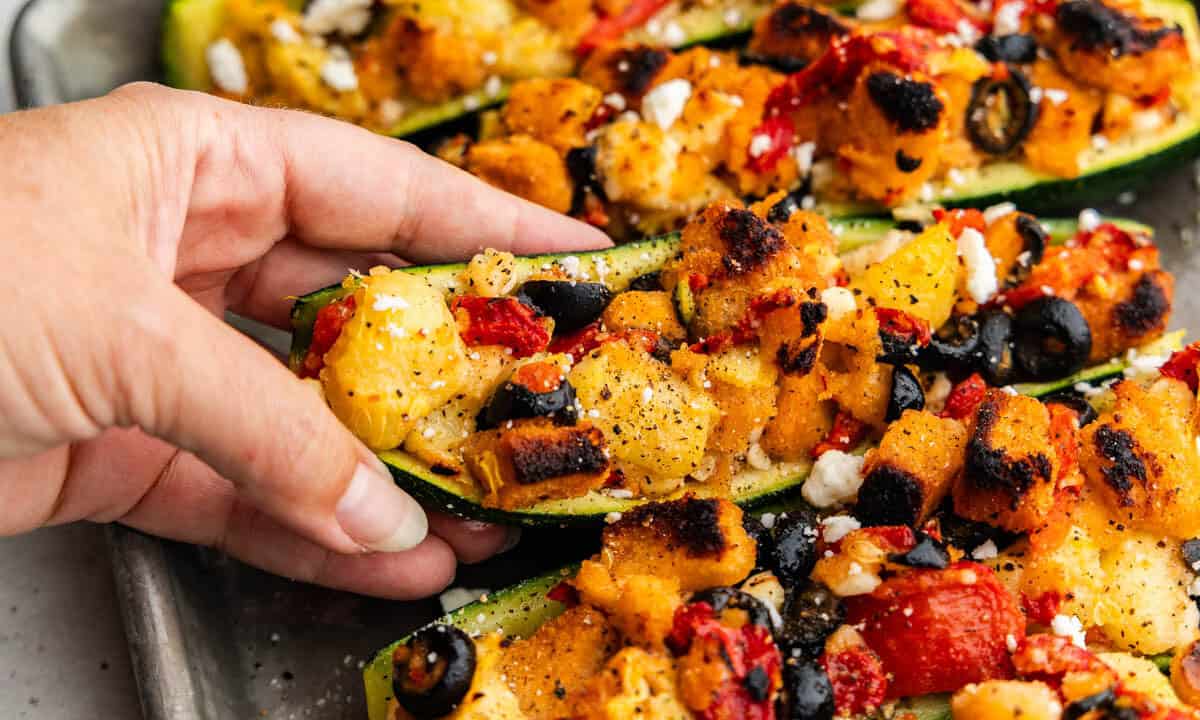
218 394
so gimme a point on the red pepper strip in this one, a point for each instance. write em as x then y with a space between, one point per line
610 28
958 220
1064 436
746 329
903 327
1049 657
579 343
1041 609
564 593
502 321
965 398
326 329
780 133
944 16
1182 366
859 683
847 432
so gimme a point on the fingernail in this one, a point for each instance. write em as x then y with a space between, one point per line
378 515
510 541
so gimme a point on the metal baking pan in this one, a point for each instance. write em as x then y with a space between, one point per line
212 639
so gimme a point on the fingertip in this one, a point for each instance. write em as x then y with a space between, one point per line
376 514
473 541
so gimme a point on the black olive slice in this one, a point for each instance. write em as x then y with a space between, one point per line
1096 701
795 547
913 226
727 598
994 354
1052 338
513 401
955 352
808 693
927 553
782 210
966 535
573 305
1076 402
1035 237
1014 48
581 166
786 64
810 616
1000 113
647 282
907 394
762 538
1191 553
433 671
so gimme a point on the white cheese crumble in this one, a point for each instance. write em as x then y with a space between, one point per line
1143 365
619 493
664 104
493 86
986 551
758 458
835 479
390 111
768 520
760 145
283 31
1145 121
647 394
878 10
569 265
733 17
349 17
1071 627
997 211
954 176
1057 96
458 597
836 527
489 58
616 101
1099 142
1089 220
338 73
981 266
804 157
1010 642
1007 20
1035 95
673 35
387 301
612 517
839 301
226 67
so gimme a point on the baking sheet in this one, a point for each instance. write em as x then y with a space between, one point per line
212 639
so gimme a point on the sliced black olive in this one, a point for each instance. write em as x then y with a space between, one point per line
907 163
994 354
1052 338
782 210
433 671
786 64
762 538
1191 553
795 547
956 351
727 598
966 535
810 616
1000 113
907 394
573 305
649 281
808 693
927 553
914 226
581 166
1096 701
1035 237
1014 48
513 401
1076 402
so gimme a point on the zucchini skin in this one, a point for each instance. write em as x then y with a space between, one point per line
625 262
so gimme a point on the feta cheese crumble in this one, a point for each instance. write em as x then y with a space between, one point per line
804 157
760 145
1007 20
664 104
283 31
986 551
1089 220
338 73
838 301
836 527
1069 626
997 211
835 479
673 35
386 301
227 68
878 10
981 266
349 17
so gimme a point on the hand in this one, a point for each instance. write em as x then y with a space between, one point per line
128 225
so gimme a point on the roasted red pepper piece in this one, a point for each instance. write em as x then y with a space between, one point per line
579 343
957 220
937 630
1182 365
1041 609
965 398
326 329
565 593
902 327
501 321
945 16
610 28
847 432
858 679
1049 657
781 134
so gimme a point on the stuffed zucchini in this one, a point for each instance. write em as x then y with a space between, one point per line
398 67
693 610
567 389
1051 105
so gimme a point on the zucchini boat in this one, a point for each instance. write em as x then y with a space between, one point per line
291 67
884 114
691 609
750 485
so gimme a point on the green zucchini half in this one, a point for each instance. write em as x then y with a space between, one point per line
752 488
518 611
190 26
1120 166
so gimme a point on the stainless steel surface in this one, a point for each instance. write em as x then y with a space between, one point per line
213 639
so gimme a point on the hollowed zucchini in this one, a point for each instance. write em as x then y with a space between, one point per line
751 488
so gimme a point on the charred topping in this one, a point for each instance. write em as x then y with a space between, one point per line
989 468
568 452
635 68
1015 48
812 314
750 240
1145 309
797 20
797 358
1093 25
906 163
786 64
889 496
691 523
911 105
782 210
1120 449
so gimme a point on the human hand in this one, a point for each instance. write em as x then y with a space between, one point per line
128 225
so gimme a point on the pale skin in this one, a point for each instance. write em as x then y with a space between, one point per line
128 225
